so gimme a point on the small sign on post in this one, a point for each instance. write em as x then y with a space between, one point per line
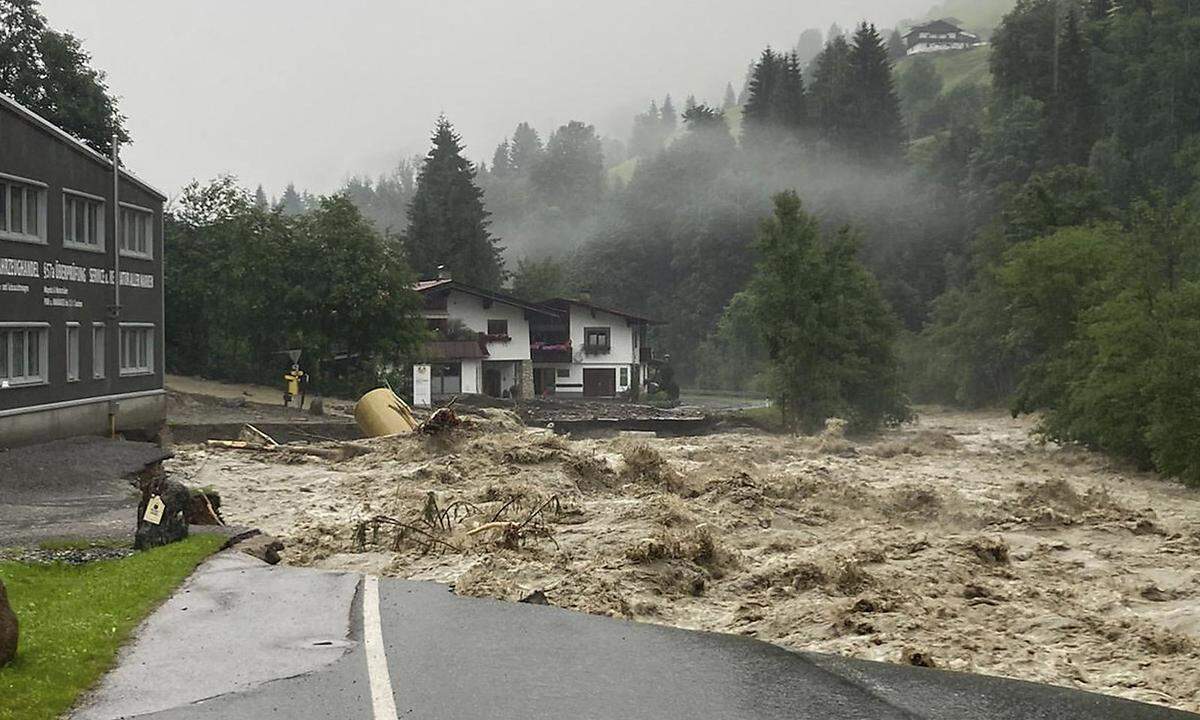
422 385
154 510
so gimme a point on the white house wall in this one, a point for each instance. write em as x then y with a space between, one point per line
469 310
472 377
620 336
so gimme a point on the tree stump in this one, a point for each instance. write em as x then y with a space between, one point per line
173 526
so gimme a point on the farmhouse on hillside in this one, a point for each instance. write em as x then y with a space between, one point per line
939 36
490 343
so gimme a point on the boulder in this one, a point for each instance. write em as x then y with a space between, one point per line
173 526
263 547
8 629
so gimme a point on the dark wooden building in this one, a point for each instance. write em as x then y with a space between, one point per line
81 292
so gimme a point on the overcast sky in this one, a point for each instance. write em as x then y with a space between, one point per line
314 91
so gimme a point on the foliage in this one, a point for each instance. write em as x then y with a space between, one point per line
540 279
829 336
51 74
447 222
74 618
570 174
734 356
243 285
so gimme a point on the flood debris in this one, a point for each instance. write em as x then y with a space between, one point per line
961 542
381 413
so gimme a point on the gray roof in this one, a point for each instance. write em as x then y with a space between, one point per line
73 142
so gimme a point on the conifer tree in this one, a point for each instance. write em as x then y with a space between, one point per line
830 94
291 202
730 97
669 119
502 160
260 199
1073 114
877 129
526 149
896 48
776 101
647 136
828 331
758 113
447 222
809 46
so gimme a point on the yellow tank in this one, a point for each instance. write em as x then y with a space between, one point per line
382 412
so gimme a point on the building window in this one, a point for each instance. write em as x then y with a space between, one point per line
22 354
72 352
562 372
137 228
98 354
83 221
596 340
498 330
22 210
625 377
137 349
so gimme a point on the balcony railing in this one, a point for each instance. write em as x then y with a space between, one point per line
550 352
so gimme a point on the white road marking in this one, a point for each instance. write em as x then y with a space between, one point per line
377 669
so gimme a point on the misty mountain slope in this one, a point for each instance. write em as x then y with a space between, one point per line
979 16
957 67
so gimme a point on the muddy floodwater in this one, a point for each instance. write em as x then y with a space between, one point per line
960 541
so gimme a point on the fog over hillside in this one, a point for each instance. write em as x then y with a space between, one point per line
308 92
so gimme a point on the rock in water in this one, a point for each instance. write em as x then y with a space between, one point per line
263 547
8 629
173 526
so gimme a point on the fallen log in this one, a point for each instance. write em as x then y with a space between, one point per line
344 451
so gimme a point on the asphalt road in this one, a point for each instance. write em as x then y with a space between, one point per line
76 488
244 640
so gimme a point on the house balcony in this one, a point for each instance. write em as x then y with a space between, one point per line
597 349
645 354
550 352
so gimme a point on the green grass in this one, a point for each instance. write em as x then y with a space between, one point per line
957 67
79 543
74 618
765 418
980 16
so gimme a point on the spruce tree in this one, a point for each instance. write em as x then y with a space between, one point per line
776 107
647 137
447 222
730 97
291 202
790 107
830 93
526 149
758 114
829 333
669 119
502 160
877 131
896 47
809 46
260 199
1073 114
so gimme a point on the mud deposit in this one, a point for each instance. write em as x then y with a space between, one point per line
959 542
